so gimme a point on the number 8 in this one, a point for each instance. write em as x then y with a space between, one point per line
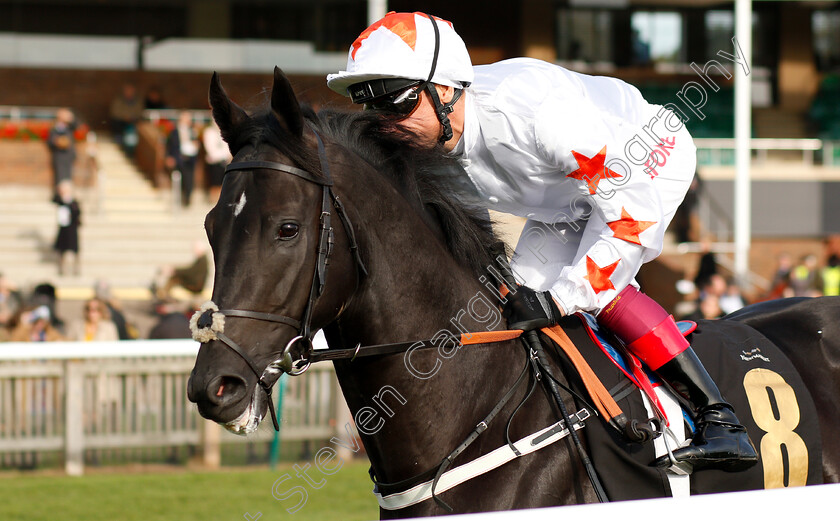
760 385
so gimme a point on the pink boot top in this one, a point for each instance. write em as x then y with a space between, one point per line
648 330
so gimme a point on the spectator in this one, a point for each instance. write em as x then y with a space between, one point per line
685 223
780 285
688 298
715 285
102 291
831 271
62 146
805 278
154 99
731 300
10 302
45 295
68 216
126 111
173 322
96 324
708 308
33 325
707 267
192 277
181 153
216 156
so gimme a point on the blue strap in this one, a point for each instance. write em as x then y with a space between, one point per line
685 327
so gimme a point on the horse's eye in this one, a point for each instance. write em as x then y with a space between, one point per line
288 231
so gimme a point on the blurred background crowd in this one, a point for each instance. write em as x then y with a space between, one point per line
186 142
109 159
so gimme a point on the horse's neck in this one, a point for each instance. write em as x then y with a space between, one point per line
429 296
411 408
415 286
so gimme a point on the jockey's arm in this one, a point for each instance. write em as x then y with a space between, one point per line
629 198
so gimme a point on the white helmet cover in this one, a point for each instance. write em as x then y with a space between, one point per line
402 45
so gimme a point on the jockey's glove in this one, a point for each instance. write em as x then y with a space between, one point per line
528 309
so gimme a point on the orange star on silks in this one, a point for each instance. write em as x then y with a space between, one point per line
592 169
598 277
628 229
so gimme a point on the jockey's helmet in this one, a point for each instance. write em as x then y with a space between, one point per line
403 47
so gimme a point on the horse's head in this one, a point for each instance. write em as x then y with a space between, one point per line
273 232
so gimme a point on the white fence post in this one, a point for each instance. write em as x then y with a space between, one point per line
343 417
211 444
74 427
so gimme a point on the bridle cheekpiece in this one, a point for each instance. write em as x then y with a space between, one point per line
208 323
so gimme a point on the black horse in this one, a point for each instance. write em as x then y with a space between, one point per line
407 261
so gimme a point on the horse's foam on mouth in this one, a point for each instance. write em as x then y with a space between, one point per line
249 420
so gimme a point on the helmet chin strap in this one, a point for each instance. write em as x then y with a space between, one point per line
443 110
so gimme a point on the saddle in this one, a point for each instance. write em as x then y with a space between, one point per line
734 356
625 452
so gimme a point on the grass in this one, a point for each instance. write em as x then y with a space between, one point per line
180 495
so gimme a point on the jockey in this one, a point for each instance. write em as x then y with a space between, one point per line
597 171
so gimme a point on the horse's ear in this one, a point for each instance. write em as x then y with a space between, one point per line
285 105
228 115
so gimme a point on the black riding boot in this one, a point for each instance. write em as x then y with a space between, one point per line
720 441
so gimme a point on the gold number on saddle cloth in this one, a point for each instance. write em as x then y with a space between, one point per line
757 384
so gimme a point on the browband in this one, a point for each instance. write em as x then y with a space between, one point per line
271 165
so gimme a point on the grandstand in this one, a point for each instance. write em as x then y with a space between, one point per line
59 57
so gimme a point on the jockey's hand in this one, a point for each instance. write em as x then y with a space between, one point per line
528 309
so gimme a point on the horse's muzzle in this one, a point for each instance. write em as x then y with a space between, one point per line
221 398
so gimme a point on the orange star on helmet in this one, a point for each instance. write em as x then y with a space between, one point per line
402 45
598 277
401 24
592 169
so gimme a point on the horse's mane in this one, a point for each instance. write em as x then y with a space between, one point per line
428 179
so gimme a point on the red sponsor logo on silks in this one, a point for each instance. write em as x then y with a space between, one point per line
659 156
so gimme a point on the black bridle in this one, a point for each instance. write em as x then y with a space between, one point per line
303 325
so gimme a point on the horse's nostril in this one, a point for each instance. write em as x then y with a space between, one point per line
226 389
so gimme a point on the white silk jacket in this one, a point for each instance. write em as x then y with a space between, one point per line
597 171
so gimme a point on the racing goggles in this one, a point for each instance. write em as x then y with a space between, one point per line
396 96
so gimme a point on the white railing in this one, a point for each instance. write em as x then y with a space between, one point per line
202 117
76 397
17 113
260 56
68 52
763 145
172 54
